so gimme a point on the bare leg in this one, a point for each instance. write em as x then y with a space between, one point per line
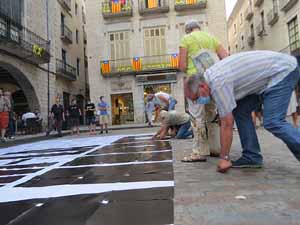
295 119
101 127
106 127
253 114
3 133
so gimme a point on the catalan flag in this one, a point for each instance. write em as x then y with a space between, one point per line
115 6
105 67
136 64
152 4
174 60
191 2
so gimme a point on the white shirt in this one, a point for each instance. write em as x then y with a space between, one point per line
28 115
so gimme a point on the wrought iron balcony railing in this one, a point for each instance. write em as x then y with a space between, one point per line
249 13
258 3
260 30
286 5
66 34
116 9
67 4
65 70
147 7
182 5
273 16
21 42
140 65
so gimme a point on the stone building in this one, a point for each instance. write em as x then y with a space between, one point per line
35 47
133 49
265 24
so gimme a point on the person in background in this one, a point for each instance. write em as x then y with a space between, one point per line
292 109
5 107
149 111
90 116
103 114
74 113
192 44
57 113
12 117
166 101
168 119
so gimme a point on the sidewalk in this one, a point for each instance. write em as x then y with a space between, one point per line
23 139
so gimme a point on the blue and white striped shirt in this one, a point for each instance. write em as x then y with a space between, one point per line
247 73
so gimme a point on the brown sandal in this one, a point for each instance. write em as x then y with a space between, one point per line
191 160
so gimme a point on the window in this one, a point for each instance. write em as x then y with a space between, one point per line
119 45
234 27
242 42
78 66
64 56
241 18
236 48
77 36
262 16
154 41
294 34
76 9
252 30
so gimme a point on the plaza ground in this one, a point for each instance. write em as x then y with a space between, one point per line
204 197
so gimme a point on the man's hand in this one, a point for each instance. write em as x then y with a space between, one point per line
223 166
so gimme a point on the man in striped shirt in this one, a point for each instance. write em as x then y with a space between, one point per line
235 84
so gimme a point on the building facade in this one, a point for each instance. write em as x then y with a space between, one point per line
133 49
42 46
265 24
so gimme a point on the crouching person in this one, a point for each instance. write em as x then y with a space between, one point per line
181 121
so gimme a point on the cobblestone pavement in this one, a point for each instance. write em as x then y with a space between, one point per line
205 197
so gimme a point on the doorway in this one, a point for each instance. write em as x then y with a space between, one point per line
122 109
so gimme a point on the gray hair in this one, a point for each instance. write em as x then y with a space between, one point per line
190 25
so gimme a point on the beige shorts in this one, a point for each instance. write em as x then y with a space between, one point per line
103 119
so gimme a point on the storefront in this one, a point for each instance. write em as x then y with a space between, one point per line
122 109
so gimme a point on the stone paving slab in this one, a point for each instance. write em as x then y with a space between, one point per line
203 196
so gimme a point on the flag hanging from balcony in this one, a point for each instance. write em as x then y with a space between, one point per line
152 4
191 2
105 67
115 6
174 60
136 64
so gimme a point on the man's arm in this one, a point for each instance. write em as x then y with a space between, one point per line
222 52
226 134
183 57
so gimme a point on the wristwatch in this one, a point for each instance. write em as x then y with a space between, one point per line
226 157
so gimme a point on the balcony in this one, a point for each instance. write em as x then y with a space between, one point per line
112 9
273 16
249 13
140 65
67 4
148 7
19 41
260 30
183 5
258 3
66 34
251 40
65 70
286 5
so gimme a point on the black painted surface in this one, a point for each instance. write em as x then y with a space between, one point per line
29 166
12 172
4 180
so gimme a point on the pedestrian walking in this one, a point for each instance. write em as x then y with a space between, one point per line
103 115
198 51
74 114
292 109
149 111
90 109
5 107
57 116
235 84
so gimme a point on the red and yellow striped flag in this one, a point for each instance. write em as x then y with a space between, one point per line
174 61
105 67
191 2
136 64
152 4
115 6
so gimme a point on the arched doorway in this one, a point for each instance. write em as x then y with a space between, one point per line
23 93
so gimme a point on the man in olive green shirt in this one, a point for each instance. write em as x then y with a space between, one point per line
194 41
